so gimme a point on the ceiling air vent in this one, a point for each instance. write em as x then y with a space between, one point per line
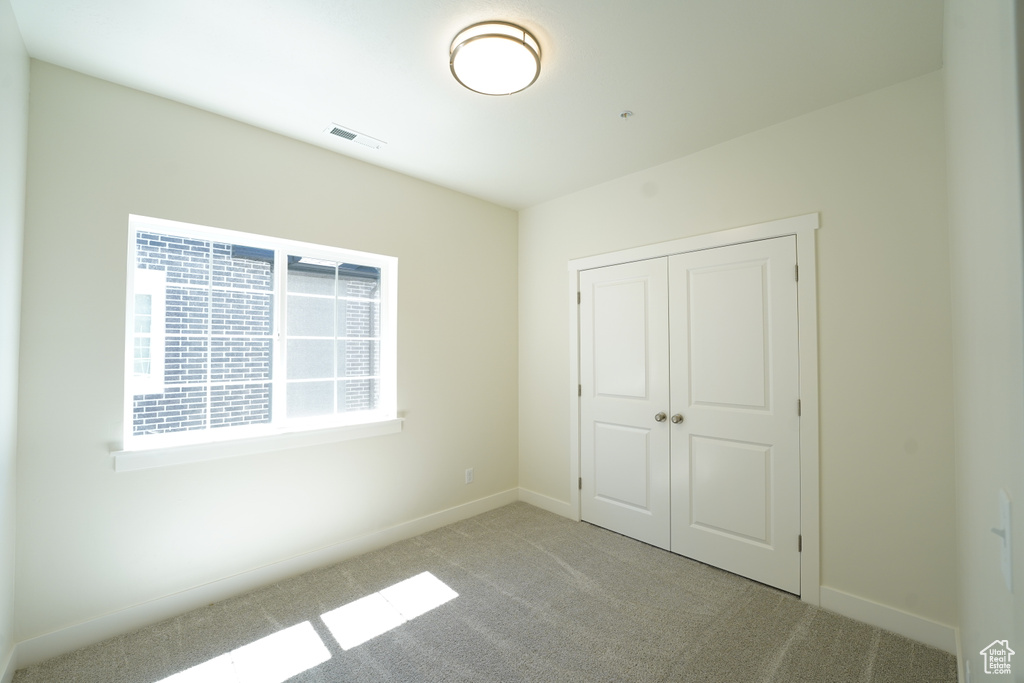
355 136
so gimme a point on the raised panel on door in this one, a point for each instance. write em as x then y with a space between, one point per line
622 470
624 373
729 487
727 333
735 380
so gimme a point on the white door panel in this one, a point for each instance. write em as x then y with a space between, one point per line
730 488
622 466
726 359
624 375
621 338
735 379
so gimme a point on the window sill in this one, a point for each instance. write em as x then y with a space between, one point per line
125 461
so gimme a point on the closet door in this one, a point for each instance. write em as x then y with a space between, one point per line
735 434
624 374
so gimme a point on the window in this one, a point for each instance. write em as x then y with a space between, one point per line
232 335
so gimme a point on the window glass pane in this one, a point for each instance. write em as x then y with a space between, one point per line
310 359
143 312
358 394
186 261
185 360
310 316
310 276
239 359
308 399
237 266
236 405
361 282
142 361
359 318
188 310
178 409
358 358
239 313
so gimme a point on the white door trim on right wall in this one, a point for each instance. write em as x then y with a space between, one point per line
803 227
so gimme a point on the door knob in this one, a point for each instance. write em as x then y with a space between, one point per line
660 417
677 418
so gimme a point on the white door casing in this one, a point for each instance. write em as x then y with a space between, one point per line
735 462
624 375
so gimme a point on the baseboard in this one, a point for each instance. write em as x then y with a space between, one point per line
559 507
912 626
961 674
8 667
43 647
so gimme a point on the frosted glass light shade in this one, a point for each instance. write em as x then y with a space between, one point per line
495 58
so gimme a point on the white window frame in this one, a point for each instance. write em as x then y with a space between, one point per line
155 450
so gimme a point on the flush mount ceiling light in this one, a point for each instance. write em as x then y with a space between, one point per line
495 58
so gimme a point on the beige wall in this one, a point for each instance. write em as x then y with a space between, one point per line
14 78
92 541
874 167
985 223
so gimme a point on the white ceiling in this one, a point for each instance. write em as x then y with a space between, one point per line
695 72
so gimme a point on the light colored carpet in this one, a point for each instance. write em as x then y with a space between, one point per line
540 598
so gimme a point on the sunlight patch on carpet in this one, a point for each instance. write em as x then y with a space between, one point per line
364 619
273 659
290 651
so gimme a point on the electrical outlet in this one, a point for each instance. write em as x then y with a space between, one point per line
469 476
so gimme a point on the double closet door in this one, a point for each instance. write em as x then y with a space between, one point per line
689 413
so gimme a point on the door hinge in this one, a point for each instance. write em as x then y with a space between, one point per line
800 543
579 298
799 408
797 268
581 483
579 389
